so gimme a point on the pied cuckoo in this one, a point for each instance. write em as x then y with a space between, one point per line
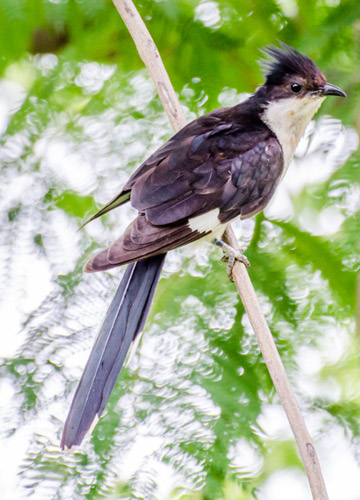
222 166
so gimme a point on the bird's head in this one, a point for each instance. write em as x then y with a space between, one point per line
290 74
293 91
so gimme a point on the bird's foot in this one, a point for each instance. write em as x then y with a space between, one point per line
230 256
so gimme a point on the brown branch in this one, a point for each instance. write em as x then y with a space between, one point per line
152 60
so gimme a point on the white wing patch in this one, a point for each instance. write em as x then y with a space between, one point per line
208 222
205 222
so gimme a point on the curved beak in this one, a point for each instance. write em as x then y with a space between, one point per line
330 89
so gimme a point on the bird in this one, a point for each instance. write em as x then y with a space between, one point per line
222 166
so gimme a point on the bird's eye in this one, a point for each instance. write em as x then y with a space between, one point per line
296 87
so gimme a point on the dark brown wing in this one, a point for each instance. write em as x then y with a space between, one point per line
254 178
189 180
210 164
140 241
175 149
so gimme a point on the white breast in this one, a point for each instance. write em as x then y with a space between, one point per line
288 119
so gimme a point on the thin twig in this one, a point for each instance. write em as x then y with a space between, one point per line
152 60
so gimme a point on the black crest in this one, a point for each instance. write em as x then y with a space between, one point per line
286 61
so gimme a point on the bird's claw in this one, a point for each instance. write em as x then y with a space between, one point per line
230 256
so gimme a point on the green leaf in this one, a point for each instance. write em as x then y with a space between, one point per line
74 204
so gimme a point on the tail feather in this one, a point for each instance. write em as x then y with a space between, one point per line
124 320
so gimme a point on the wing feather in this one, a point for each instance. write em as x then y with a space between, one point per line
218 162
140 241
118 200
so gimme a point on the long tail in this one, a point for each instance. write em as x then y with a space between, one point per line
124 320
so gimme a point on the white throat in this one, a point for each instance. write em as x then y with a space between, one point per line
288 119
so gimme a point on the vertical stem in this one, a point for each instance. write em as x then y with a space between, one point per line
146 47
152 60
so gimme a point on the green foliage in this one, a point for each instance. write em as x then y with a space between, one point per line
74 204
189 418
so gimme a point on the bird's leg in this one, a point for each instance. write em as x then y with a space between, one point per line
230 255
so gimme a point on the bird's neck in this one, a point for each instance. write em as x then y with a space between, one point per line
288 119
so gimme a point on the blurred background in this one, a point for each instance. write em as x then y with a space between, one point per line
194 415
